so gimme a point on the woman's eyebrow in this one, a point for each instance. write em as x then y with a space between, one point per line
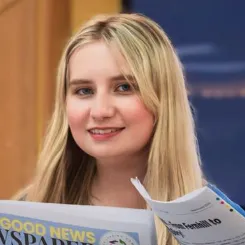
79 81
116 78
121 77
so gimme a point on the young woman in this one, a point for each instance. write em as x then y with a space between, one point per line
121 111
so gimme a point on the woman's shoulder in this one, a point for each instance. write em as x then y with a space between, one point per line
22 194
22 198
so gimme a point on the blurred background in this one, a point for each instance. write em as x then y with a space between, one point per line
209 37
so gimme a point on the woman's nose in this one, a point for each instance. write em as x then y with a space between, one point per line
102 108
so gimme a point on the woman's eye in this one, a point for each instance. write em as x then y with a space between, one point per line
124 87
84 91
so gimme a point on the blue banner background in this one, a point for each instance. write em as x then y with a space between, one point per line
210 38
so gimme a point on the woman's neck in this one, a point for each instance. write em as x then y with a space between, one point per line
112 185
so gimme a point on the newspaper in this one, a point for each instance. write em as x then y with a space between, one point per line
30 223
203 217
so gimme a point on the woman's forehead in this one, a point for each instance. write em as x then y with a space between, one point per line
97 58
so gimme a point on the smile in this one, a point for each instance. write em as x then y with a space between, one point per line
100 134
104 131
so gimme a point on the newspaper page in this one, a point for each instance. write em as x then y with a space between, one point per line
203 217
29 223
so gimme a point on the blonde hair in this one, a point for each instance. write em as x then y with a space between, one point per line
63 173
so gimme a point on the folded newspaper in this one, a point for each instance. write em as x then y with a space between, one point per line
205 216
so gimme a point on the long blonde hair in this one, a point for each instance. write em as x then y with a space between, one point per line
63 173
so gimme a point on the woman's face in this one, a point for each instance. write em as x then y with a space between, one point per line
106 116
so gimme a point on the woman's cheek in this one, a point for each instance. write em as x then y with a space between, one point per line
76 112
135 109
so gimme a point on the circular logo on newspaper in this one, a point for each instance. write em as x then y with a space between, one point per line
117 238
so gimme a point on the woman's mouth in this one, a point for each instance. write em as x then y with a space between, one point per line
104 133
